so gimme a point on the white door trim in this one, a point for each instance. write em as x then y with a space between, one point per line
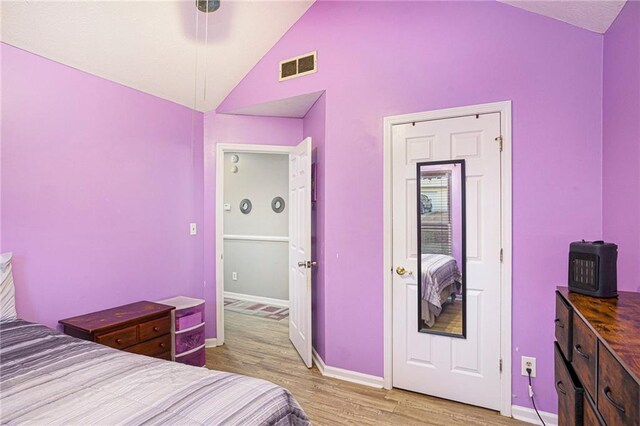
221 148
504 108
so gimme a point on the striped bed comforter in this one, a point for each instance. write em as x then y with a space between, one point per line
440 275
50 378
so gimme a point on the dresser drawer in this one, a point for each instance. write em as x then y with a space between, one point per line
189 340
195 358
570 395
618 394
154 328
583 357
152 347
119 339
589 414
165 356
564 325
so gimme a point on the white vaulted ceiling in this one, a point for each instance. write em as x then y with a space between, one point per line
157 47
593 15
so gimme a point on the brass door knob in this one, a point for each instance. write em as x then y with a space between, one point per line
401 271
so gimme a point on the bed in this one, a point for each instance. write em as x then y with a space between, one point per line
441 279
50 378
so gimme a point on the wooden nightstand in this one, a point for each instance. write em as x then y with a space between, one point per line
142 328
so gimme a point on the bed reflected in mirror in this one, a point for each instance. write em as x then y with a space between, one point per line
441 248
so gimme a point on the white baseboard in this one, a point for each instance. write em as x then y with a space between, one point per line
529 415
211 342
258 299
347 375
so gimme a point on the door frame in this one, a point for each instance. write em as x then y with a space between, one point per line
504 108
221 149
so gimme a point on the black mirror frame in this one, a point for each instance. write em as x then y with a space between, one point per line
464 248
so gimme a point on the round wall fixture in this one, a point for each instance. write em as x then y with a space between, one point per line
235 158
234 169
245 206
277 204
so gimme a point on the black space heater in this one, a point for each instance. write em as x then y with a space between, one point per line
592 268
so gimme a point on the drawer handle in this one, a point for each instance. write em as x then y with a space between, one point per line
560 388
558 323
607 393
578 349
119 341
156 329
161 345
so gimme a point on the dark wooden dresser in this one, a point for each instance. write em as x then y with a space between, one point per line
597 359
142 328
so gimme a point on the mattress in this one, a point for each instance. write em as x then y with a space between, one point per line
50 378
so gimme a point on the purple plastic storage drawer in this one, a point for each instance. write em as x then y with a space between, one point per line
196 358
189 340
190 317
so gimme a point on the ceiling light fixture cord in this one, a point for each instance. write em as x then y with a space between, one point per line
193 122
206 45
195 76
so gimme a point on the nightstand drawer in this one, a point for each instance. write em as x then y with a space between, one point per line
166 356
153 347
154 328
189 317
188 340
119 339
195 358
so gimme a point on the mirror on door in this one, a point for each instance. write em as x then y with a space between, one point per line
441 248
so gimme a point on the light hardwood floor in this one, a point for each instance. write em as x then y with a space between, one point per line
450 319
260 348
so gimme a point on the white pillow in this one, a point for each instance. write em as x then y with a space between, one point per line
7 291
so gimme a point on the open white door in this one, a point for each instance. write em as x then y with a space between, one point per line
300 262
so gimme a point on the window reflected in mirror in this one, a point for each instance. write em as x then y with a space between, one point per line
441 247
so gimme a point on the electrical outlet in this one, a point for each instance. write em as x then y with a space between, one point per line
234 276
528 362
193 229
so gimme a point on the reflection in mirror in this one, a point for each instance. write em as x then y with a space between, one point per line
441 248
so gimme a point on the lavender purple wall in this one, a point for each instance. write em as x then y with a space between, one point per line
314 127
99 184
236 129
621 143
417 56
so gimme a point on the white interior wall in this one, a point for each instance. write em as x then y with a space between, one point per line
255 244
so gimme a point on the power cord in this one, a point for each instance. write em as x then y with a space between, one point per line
531 396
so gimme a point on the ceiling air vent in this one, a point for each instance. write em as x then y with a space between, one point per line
299 66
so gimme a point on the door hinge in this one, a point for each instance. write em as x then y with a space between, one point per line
499 140
501 255
501 365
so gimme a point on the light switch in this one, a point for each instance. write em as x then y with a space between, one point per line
193 229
